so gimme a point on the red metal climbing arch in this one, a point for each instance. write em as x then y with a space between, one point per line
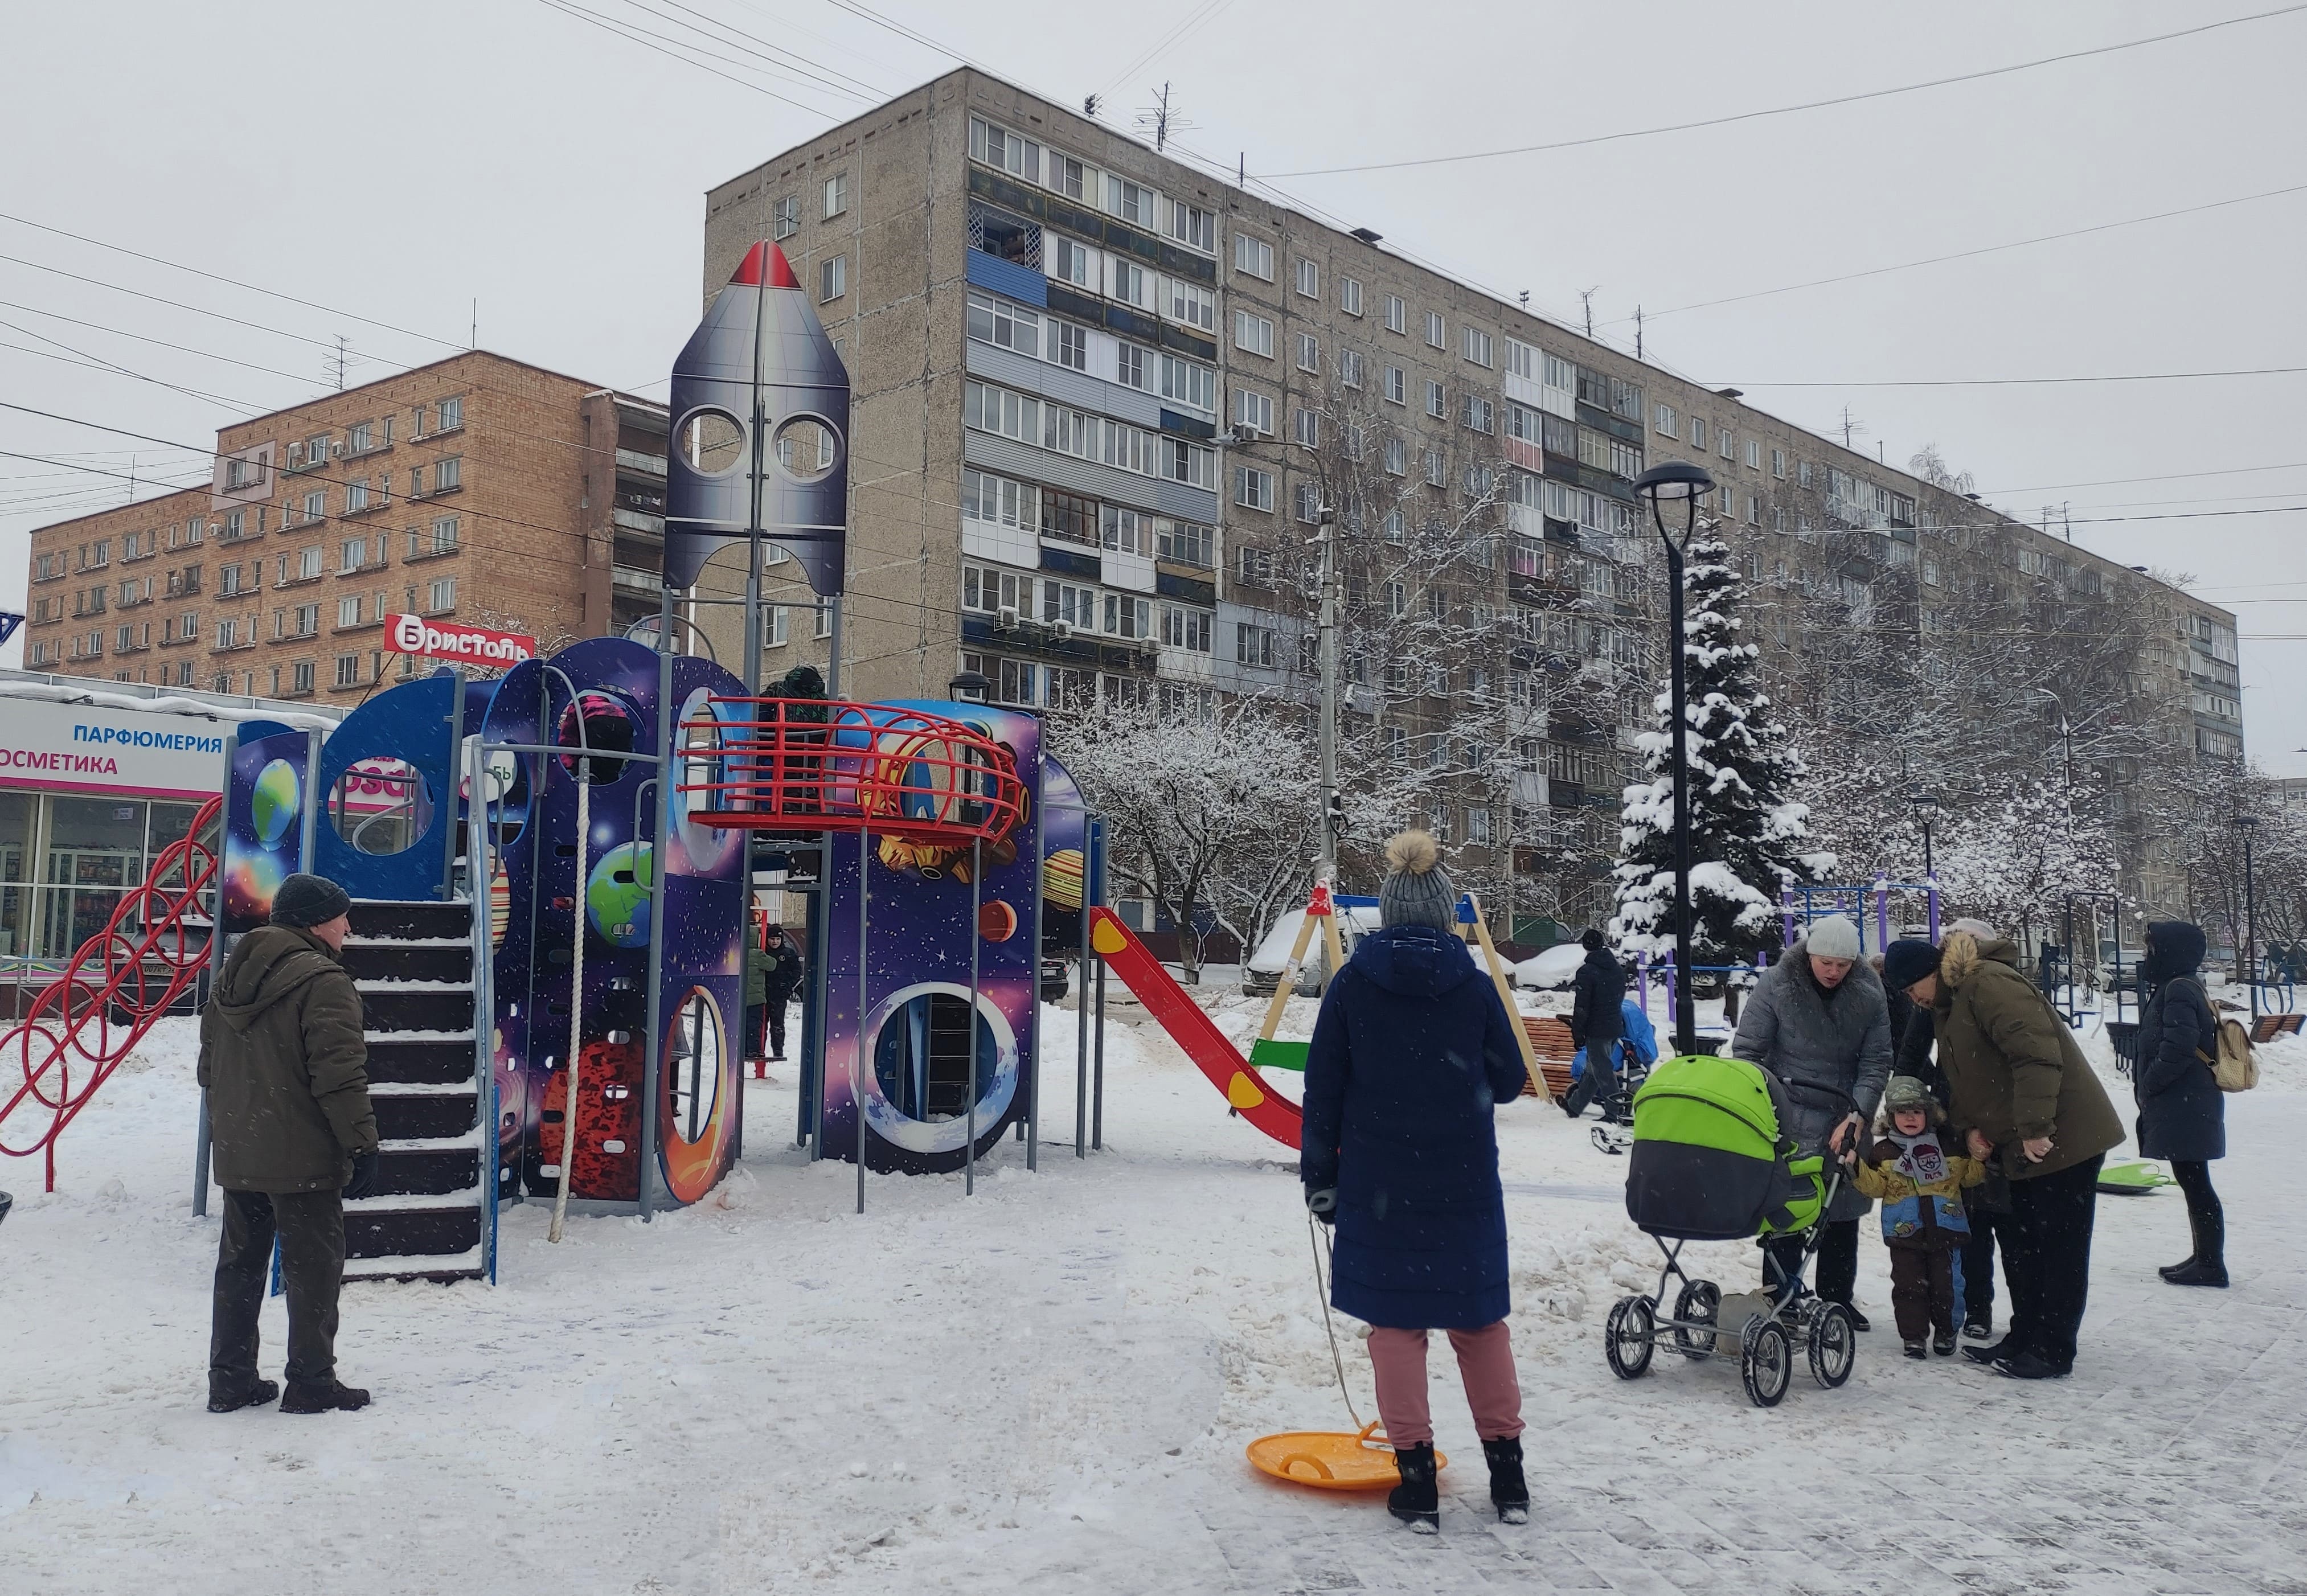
122 978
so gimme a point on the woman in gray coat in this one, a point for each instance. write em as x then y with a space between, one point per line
1819 1022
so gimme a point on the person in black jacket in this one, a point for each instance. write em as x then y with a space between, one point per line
1596 1024
2181 1112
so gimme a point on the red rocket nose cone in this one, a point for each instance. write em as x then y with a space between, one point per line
765 261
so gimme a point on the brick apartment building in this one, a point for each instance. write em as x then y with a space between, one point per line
1097 393
478 489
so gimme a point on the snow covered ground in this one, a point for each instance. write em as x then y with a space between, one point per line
1047 1389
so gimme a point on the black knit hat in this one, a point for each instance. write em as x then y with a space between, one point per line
1907 961
309 900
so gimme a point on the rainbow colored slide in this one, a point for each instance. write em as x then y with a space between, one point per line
1192 1030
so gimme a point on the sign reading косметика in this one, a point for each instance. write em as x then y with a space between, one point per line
80 748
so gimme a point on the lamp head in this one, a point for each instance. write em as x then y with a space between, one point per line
970 685
1669 482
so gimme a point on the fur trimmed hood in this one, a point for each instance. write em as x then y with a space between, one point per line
1960 954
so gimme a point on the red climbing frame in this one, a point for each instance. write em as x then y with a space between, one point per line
895 773
121 979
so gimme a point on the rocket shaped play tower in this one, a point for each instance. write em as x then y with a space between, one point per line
760 429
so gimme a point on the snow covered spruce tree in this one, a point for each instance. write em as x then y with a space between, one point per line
1747 831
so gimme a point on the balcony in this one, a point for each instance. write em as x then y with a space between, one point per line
629 579
633 520
648 465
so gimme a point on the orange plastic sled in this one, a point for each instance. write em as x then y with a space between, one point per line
1330 1459
1194 1030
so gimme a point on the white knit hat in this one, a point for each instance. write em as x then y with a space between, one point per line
1831 936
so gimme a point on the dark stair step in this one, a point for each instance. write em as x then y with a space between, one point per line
392 1061
419 1008
378 918
411 1233
431 1171
409 961
423 1117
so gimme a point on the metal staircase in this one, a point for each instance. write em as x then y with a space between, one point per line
433 1217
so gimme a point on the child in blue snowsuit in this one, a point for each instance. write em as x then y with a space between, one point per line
1918 1180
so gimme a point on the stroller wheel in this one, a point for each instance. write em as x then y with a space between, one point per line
1632 1336
1833 1344
1766 1361
1700 1301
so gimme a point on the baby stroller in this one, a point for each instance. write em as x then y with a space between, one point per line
1709 1164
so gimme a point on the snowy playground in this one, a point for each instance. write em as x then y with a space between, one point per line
1048 1387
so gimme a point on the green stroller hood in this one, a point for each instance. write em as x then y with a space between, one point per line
1708 1164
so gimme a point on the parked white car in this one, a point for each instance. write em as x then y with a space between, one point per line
1263 970
1550 971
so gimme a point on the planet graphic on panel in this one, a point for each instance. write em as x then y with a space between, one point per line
276 801
1061 878
617 894
997 921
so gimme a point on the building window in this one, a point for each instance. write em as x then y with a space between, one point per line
356 496
1254 644
1075 264
1306 427
349 673
441 596
1726 446
1195 228
785 217
1397 600
1349 296
1307 503
1129 363
1253 489
1397 458
1754 455
996 500
448 474
1698 433
1253 412
1436 334
1188 542
308 621
308 563
1433 477
1009 326
1188 385
1192 303
1309 280
832 278
1126 531
453 414
1663 420
1475 345
1068 517
1186 629
1480 414
349 610
1803 472
1309 353
1397 314
1256 565
1127 615
1253 256
1779 464
1437 402
837 194
1350 367
999 146
1253 333
1397 385
316 504
1132 202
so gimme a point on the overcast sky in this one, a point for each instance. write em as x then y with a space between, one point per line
400 163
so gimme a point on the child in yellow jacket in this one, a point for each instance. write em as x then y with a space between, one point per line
1918 1180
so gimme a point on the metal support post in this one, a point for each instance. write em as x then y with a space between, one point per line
668 774
1097 1059
977 907
447 805
857 1055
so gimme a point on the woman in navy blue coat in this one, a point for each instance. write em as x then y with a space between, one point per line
1411 1052
2182 1114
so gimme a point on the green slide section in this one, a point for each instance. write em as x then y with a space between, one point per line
1279 1055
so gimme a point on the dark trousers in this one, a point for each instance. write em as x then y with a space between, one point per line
2205 1213
777 1001
1598 1081
311 1228
1838 1259
1922 1286
2047 1259
1978 1262
754 1014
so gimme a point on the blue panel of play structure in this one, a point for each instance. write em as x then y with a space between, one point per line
388 841
264 815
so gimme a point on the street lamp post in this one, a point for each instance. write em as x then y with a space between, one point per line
1679 482
2066 736
1925 804
2247 823
1324 539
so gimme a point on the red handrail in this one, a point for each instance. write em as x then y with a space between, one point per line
900 772
111 973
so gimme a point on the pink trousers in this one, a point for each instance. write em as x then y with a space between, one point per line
1484 1363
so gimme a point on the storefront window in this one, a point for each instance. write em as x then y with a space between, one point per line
17 810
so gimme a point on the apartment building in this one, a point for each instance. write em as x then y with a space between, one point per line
1101 397
478 489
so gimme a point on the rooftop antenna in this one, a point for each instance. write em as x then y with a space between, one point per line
1162 119
1638 333
1089 106
335 363
1852 426
1586 298
1524 297
474 343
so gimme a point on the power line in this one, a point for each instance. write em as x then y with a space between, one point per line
854 88
1814 104
644 38
2045 487
1964 254
2262 371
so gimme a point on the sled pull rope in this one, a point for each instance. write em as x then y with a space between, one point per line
1329 1327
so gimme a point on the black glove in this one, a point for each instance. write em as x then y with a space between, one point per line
1322 1204
364 1182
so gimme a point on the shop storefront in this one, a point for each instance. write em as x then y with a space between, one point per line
94 785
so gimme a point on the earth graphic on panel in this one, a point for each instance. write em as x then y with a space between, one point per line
276 802
617 894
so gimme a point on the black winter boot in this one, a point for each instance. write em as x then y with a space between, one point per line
2169 1270
1509 1492
316 1398
2209 1266
256 1396
1417 1501
1942 1342
2203 1272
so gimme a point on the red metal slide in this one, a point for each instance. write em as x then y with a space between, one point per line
1192 1030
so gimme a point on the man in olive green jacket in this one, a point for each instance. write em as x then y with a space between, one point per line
2023 1096
284 1061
